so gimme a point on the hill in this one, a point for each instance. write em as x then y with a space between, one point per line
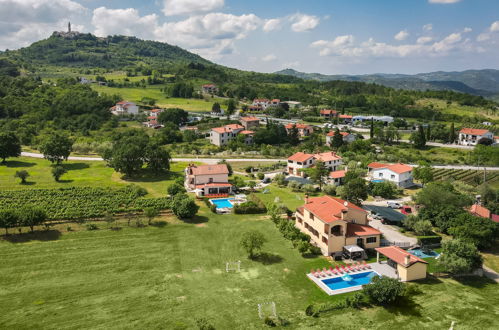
476 82
87 50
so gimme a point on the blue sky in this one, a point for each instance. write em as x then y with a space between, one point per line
326 36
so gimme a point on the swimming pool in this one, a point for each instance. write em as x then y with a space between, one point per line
222 203
349 280
377 181
421 254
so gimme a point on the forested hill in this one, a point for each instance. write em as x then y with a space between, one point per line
476 82
87 50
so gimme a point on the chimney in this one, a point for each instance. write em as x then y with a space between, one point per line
407 260
343 214
306 198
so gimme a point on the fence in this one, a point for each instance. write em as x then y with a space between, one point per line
385 242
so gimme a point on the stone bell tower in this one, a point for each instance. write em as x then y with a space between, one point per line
69 27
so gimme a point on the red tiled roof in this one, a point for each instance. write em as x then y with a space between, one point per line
151 117
300 157
249 119
213 184
234 126
299 126
473 131
397 168
328 209
156 110
209 85
354 230
260 100
480 211
346 117
495 217
327 156
209 169
337 174
328 112
227 128
191 128
342 133
398 255
246 132
376 165
276 101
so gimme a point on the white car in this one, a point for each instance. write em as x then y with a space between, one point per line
393 205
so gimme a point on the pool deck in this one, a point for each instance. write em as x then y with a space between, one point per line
379 268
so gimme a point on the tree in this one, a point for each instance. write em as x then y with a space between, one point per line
175 189
229 167
23 175
418 138
384 290
452 133
57 172
384 189
157 158
482 232
354 190
280 179
423 173
184 207
10 146
293 135
423 227
8 219
231 107
31 217
371 130
189 135
459 257
150 213
56 147
318 173
176 116
252 241
441 194
337 140
428 133
215 108
252 185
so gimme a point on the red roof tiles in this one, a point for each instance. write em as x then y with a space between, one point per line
354 230
209 169
397 168
398 255
300 157
473 131
327 208
342 133
480 211
328 112
299 126
247 119
337 174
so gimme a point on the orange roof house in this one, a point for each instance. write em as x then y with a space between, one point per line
480 211
408 266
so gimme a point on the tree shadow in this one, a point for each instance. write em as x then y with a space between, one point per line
405 306
268 258
146 175
44 235
65 181
17 163
159 224
196 220
474 281
75 166
28 183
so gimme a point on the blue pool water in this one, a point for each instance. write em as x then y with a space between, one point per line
378 181
350 280
222 202
421 254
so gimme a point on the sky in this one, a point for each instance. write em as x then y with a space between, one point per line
324 36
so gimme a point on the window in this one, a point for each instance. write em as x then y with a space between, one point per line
210 180
324 240
311 216
392 176
381 175
371 240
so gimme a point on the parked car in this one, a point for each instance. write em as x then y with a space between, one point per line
406 210
393 205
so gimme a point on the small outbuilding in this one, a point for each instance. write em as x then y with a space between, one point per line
408 266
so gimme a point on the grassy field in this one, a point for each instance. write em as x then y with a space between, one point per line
491 258
456 109
80 173
168 276
135 94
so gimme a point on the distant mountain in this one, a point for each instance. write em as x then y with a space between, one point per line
86 50
477 82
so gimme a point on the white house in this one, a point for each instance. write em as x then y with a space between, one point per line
293 104
125 108
208 180
301 160
399 174
210 89
471 136
303 129
347 137
261 103
221 136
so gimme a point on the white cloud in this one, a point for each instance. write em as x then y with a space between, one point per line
494 27
291 65
272 24
25 21
402 35
303 22
467 30
424 40
344 46
428 27
110 21
189 7
269 58
443 1
483 37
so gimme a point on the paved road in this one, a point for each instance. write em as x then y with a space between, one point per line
391 234
203 160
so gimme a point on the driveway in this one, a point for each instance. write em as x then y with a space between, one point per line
391 234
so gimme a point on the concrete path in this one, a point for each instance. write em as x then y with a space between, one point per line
392 234
202 160
489 273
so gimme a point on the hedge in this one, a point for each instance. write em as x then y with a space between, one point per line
429 240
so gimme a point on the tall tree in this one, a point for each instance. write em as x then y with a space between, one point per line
31 217
318 173
355 190
252 241
452 133
157 158
423 173
337 140
294 135
371 129
428 133
231 107
174 115
418 138
216 108
56 147
9 146
459 257
8 219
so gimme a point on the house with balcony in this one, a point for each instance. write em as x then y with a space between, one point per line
345 119
471 136
400 174
333 223
123 108
328 114
250 123
261 103
221 136
208 180
210 89
301 160
337 178
347 137
303 129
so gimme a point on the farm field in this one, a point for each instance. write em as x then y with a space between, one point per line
135 94
471 177
455 108
159 276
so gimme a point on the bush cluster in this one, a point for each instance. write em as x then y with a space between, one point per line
254 205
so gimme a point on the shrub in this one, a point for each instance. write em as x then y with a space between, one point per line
248 169
175 189
204 324
252 241
384 290
268 321
459 257
429 240
92 226
308 188
260 176
184 207
23 175
329 190
423 227
253 206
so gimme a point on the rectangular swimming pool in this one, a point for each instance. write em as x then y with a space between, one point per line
349 280
222 203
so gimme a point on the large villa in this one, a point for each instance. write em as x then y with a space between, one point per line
333 224
208 180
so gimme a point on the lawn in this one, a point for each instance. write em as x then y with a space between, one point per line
80 173
457 109
491 258
135 94
168 276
